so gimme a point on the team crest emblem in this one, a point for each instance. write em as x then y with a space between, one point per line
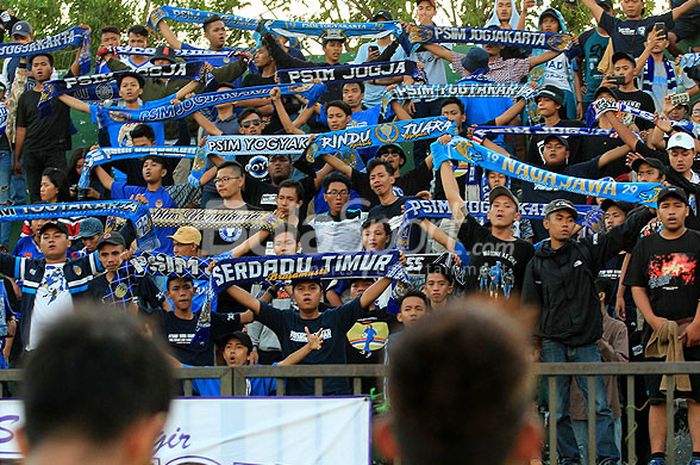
560 42
120 291
159 203
387 133
257 167
299 88
77 270
199 161
104 92
368 337
420 34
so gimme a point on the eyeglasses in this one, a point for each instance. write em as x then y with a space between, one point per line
696 112
393 154
338 193
225 179
252 122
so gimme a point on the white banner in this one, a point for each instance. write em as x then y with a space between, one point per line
252 431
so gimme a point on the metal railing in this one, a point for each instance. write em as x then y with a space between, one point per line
233 382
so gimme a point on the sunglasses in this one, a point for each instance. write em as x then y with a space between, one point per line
253 122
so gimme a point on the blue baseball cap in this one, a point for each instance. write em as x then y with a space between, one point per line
89 227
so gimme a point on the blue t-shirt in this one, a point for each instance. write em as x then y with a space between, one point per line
255 387
482 110
158 199
374 93
26 247
119 131
289 328
216 62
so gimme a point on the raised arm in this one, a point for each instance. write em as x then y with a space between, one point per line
338 164
321 174
204 123
451 188
74 103
169 35
680 10
103 176
613 154
244 298
374 291
594 8
186 89
438 235
286 121
439 51
400 111
542 58
249 244
314 341
511 113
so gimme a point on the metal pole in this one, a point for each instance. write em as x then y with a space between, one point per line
670 410
631 422
591 416
552 403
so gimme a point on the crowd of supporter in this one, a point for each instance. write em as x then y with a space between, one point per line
612 280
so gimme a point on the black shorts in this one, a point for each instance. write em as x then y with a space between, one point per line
652 382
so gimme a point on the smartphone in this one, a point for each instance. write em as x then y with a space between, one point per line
373 48
680 99
617 80
661 28
539 2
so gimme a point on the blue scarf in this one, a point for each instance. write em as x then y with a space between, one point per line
4 114
100 156
422 92
165 112
355 73
378 135
476 35
149 264
231 147
689 60
672 80
188 15
74 36
685 125
136 212
481 131
301 28
89 85
436 209
461 149
194 54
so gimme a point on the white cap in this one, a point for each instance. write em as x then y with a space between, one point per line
682 140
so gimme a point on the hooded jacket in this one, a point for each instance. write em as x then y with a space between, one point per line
514 16
562 282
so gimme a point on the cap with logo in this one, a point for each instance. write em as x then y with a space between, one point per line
681 140
391 148
187 235
89 227
607 203
672 192
617 56
22 28
557 137
559 205
113 238
164 53
333 34
502 190
383 14
552 93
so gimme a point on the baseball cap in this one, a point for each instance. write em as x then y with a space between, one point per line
617 56
333 34
605 3
164 53
502 190
238 335
552 93
54 225
605 89
558 137
187 235
22 28
680 140
113 238
672 192
653 162
549 12
607 203
89 227
386 14
476 58
558 205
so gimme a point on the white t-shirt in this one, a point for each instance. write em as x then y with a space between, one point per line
557 73
53 302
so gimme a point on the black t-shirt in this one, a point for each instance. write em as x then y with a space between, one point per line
641 101
45 132
536 145
178 334
289 328
143 288
594 147
668 269
496 266
628 35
